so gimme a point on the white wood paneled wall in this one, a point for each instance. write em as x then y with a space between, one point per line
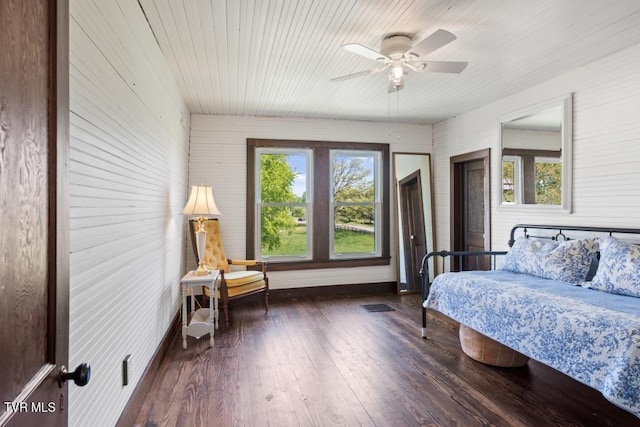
129 159
606 147
218 158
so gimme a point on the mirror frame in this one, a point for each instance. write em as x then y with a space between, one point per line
428 211
566 155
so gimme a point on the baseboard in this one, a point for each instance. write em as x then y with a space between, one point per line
130 412
332 290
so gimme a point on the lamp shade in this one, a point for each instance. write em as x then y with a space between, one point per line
201 203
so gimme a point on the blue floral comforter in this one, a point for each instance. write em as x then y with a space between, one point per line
590 335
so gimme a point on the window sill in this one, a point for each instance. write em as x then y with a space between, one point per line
334 263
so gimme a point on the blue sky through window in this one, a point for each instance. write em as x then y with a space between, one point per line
298 164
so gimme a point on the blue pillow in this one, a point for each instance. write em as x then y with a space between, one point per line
567 261
618 269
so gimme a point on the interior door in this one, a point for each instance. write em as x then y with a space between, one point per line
33 227
413 228
471 209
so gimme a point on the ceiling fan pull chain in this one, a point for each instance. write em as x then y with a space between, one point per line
398 113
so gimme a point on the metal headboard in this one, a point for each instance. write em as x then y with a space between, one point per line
560 229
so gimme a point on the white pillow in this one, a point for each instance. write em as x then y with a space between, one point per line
567 261
619 268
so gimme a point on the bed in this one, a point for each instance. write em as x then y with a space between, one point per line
570 303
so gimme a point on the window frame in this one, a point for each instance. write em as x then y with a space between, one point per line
320 204
308 154
376 203
518 183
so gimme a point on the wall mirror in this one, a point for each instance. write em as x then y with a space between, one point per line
536 146
414 216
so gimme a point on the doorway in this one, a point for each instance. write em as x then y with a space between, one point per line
470 208
413 229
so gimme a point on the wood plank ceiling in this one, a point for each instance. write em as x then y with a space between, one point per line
276 57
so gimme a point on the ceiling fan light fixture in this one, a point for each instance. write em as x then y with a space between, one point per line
397 71
396 82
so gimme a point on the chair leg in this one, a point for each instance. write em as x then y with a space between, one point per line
224 296
266 295
225 307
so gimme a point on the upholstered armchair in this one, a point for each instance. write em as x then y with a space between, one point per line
234 284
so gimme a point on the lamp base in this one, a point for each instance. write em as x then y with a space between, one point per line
200 271
201 243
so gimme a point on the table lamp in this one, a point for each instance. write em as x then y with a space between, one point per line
199 206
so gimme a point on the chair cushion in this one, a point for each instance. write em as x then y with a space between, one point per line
241 289
239 278
244 289
214 256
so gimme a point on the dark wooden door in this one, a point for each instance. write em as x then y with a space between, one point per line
33 230
470 208
473 206
413 228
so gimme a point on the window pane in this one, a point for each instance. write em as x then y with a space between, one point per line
508 181
283 192
548 182
353 177
354 229
284 231
282 177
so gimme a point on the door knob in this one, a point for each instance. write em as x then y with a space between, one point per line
80 376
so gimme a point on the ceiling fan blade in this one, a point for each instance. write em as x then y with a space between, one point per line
439 66
364 51
432 43
360 73
350 76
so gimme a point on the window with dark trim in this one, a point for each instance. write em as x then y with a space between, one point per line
317 204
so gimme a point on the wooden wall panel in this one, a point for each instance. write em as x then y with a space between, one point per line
218 159
606 132
129 152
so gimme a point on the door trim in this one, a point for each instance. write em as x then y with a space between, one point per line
404 202
456 184
59 176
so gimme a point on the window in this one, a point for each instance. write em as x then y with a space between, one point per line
548 176
281 203
511 179
531 177
317 204
355 203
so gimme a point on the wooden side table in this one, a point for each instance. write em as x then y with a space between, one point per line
205 320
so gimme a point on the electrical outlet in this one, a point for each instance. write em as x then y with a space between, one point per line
126 365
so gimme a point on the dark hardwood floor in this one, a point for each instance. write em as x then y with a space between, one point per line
325 361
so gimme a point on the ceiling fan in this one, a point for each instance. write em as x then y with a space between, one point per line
398 54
